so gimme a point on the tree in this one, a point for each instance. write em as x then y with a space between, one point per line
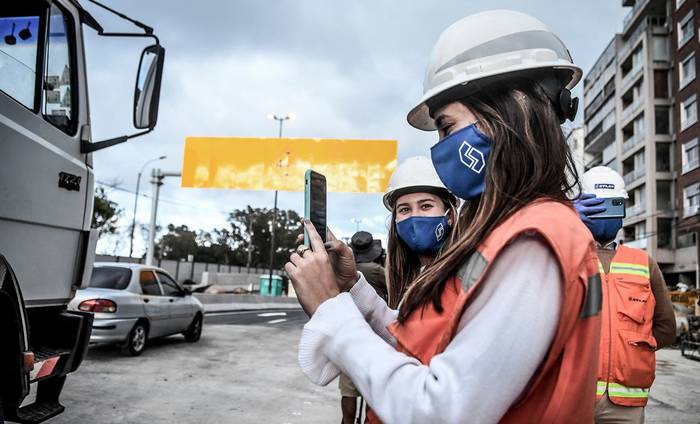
105 214
251 235
179 242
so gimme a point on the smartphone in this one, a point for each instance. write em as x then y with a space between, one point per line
614 208
315 203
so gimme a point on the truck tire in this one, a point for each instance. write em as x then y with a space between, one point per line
194 331
136 340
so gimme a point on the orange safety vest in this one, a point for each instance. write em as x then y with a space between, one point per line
562 388
627 362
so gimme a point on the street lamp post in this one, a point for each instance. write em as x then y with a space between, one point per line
357 223
136 201
289 117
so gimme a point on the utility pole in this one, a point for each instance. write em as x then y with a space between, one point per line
289 117
136 201
157 176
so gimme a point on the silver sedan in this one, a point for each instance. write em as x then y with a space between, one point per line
134 303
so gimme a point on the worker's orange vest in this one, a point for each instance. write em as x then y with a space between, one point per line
562 390
627 362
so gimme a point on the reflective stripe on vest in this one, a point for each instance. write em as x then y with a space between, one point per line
618 390
630 269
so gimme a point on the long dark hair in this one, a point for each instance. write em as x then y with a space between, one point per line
529 160
403 264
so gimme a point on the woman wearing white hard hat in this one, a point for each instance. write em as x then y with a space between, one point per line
423 213
503 325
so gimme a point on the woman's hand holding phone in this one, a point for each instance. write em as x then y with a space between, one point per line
343 261
318 274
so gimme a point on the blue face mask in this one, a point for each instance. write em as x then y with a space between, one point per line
604 230
460 161
424 234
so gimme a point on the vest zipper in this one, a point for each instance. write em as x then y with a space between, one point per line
607 382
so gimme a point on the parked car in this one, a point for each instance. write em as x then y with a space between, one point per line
133 303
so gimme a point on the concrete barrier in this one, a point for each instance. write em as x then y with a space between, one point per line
225 298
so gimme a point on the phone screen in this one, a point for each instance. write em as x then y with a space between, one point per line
315 204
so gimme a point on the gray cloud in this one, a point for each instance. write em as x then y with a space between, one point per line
349 69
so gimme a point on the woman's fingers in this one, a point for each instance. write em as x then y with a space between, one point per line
290 269
295 259
334 246
330 236
592 201
314 238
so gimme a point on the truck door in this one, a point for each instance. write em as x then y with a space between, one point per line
44 179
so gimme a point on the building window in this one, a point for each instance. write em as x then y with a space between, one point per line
685 29
690 155
661 49
691 200
661 117
664 231
637 59
689 112
686 70
660 84
663 157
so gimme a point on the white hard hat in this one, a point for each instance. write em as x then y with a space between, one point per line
415 175
487 45
603 182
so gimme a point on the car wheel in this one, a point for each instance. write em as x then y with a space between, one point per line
194 331
136 341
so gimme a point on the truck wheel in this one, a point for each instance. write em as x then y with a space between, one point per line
194 331
136 341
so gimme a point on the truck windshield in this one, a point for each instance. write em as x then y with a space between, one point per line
110 277
19 34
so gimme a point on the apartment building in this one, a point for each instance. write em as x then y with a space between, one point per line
627 114
685 87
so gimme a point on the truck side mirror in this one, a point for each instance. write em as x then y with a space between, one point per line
147 92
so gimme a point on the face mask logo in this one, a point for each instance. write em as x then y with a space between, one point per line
439 232
472 158
467 148
423 234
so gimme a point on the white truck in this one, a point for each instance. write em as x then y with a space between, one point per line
46 192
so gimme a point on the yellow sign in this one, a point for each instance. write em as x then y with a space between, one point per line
355 166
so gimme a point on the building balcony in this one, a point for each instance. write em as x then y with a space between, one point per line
595 160
633 109
635 210
630 177
631 77
631 142
633 14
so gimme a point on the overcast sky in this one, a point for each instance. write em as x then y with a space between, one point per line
349 69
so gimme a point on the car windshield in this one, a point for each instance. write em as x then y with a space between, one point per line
110 277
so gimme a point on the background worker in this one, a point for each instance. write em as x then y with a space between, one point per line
423 214
368 254
488 329
637 315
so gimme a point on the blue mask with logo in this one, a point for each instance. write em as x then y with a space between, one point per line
604 229
423 234
460 161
